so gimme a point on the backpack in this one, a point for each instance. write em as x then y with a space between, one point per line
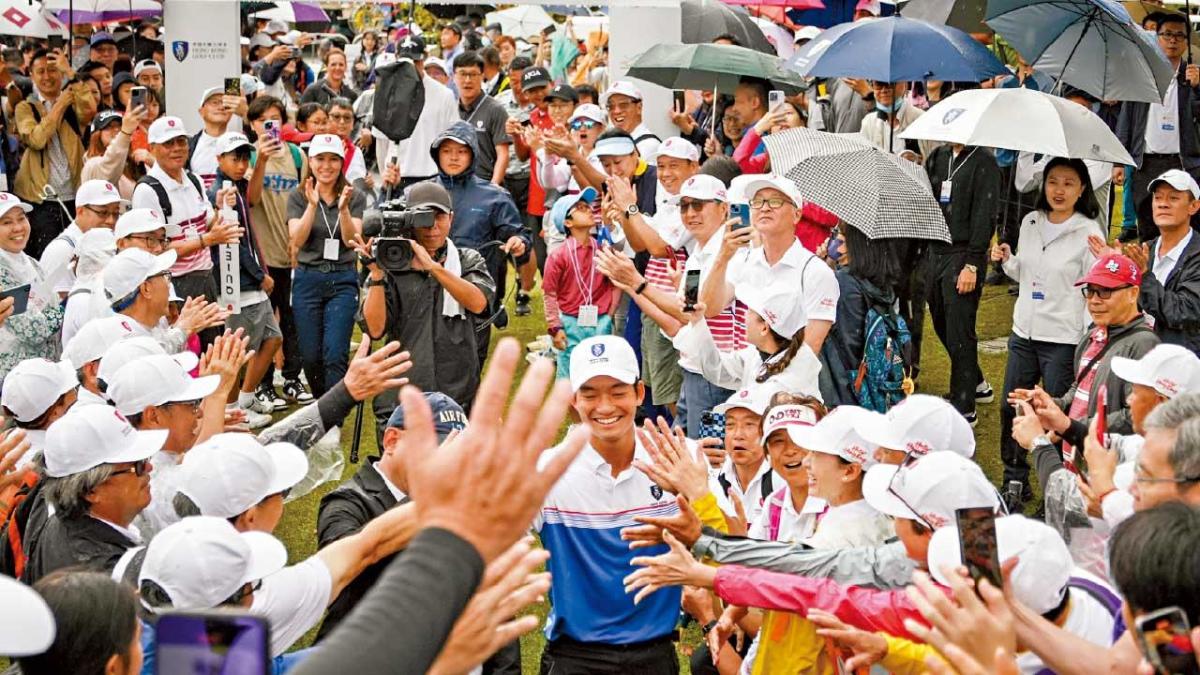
764 487
883 374
160 190
12 548
399 100
193 141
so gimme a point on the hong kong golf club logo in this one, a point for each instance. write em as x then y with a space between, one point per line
656 492
597 350
952 114
180 49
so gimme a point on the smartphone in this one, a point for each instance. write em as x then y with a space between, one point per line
691 289
20 296
57 42
977 543
137 97
549 30
742 213
271 127
712 425
1165 640
233 86
212 642
680 100
774 98
833 247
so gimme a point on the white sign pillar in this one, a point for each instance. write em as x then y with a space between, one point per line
638 25
203 47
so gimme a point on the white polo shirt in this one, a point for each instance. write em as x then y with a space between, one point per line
799 268
752 497
1162 123
190 213
293 599
794 525
56 257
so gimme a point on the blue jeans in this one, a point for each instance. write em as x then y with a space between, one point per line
698 395
1030 362
324 304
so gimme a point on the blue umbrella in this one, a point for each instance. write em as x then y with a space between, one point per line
896 49
1090 44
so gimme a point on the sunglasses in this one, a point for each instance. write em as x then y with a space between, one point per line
138 469
244 592
576 125
693 205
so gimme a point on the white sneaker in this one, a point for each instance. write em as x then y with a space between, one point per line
258 405
256 420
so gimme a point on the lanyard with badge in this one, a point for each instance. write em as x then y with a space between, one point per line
332 244
944 197
588 315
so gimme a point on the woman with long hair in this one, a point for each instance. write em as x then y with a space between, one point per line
324 216
109 155
1050 316
97 628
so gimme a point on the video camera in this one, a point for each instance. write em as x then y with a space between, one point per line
398 224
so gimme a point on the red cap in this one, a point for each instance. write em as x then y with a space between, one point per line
1112 271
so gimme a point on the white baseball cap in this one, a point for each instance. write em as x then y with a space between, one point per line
755 399
133 349
603 355
787 416
9 201
154 381
232 140
164 129
144 65
624 88
139 221
97 193
807 33
1178 179
702 186
435 62
199 562
131 267
922 424
91 435
322 143
589 111
33 385
95 248
29 627
209 93
276 26
384 59
1044 562
95 338
1170 370
679 148
929 488
230 473
778 306
837 434
751 184
251 85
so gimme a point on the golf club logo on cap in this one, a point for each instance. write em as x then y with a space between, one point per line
918 447
1167 385
170 123
952 114
935 519
771 316
856 452
1113 266
598 350
108 187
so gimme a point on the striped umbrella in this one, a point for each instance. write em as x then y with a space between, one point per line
878 193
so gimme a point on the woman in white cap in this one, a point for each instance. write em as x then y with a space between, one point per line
32 332
110 155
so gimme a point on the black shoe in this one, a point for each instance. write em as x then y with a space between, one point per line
523 304
971 418
501 320
1127 236
984 393
295 390
266 394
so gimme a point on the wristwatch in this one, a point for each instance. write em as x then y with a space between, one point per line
971 268
631 210
1040 441
376 282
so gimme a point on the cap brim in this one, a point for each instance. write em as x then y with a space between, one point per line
168 135
881 435
1131 371
164 262
143 446
291 466
1182 188
751 187
267 556
875 491
247 144
18 205
33 632
198 388
944 551
622 376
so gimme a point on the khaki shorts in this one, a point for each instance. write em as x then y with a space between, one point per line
660 364
258 322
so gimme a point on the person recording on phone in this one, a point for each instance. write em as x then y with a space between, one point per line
427 292
217 108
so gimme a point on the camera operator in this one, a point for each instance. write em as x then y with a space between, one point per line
428 293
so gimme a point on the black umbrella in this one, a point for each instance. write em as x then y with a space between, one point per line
706 20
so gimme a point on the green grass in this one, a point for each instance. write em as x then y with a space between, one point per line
297 530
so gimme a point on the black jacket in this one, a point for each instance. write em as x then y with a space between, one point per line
71 542
1134 115
973 197
344 512
1175 302
250 270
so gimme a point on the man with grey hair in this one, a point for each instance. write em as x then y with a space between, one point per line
1168 467
98 480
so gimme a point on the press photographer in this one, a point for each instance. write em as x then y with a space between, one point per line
425 292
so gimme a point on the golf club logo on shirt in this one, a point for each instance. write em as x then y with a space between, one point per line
180 49
597 350
952 114
656 491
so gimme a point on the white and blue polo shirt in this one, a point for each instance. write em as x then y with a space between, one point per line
580 524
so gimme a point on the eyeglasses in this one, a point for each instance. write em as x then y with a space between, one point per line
1172 35
1140 476
160 241
1103 293
909 459
576 125
138 469
193 404
693 205
107 214
244 592
468 75
759 204
341 118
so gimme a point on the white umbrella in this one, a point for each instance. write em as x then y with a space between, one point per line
1020 119
524 21
20 17
782 39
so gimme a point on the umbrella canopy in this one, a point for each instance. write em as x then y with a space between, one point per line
103 11
875 192
20 17
1020 119
786 4
294 12
896 49
782 39
965 15
521 21
709 66
1090 44
704 20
